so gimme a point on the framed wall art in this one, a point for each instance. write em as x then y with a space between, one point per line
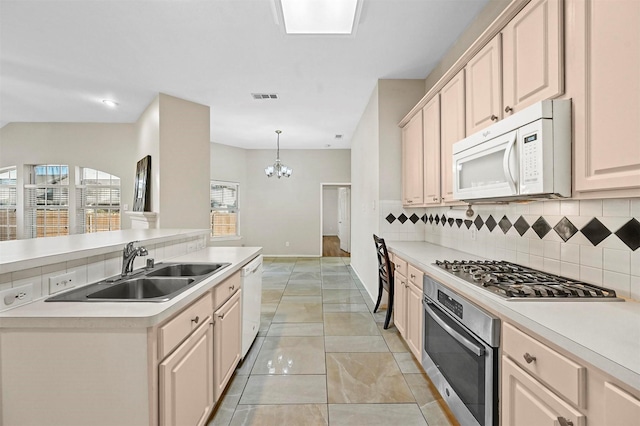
142 190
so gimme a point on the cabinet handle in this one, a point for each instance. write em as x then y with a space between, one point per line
494 117
221 316
412 276
232 287
435 198
409 201
196 319
529 358
564 422
508 109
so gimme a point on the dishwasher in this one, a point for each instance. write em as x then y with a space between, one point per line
251 300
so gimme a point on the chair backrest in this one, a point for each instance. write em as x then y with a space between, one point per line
385 270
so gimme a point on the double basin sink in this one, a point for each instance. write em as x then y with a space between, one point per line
159 284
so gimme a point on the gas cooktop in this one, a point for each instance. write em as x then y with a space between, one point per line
515 282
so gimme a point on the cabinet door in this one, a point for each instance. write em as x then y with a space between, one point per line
620 408
533 67
400 303
483 87
186 380
414 321
526 402
452 124
227 342
606 78
431 150
412 161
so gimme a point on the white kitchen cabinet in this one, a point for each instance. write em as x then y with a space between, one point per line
186 380
414 312
227 341
483 87
400 303
412 167
431 151
604 75
452 130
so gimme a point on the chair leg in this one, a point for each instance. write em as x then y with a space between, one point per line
380 290
389 310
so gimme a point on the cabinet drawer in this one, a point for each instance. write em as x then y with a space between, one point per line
226 289
415 277
559 372
400 265
179 327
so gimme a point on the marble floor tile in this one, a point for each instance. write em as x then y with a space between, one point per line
365 378
301 298
303 288
272 296
296 389
345 307
305 276
291 355
392 336
306 267
296 329
335 270
268 308
341 296
298 312
376 415
345 285
422 388
438 414
337 279
281 415
244 369
227 406
349 324
355 344
407 362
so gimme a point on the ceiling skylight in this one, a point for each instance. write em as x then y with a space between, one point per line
319 16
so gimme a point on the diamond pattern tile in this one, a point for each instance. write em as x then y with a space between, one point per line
491 223
436 219
468 223
402 218
565 229
424 218
505 224
595 231
521 225
629 233
478 222
414 218
459 222
390 218
541 227
443 220
450 221
430 218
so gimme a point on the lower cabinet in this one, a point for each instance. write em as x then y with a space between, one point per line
227 342
407 315
414 320
186 380
400 303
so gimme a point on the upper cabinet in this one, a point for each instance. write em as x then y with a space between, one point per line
532 55
604 75
431 150
452 129
520 66
484 87
412 173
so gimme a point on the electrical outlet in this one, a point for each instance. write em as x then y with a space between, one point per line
16 296
62 282
474 234
286 244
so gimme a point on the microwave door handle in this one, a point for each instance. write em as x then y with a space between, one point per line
505 163
478 350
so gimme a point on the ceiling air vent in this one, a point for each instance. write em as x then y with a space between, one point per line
338 136
264 95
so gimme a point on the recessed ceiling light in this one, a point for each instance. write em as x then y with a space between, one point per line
319 16
110 103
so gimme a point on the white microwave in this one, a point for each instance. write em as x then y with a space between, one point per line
525 156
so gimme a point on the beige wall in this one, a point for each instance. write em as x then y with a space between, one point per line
288 209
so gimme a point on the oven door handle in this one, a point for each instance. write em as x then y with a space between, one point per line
478 350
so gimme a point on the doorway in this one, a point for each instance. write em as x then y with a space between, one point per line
335 223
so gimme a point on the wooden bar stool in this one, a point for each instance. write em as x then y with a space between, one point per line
385 277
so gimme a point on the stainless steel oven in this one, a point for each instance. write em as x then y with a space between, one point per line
460 354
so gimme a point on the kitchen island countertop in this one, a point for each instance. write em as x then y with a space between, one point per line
87 315
604 334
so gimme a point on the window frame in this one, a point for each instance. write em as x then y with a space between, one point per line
82 208
31 190
5 219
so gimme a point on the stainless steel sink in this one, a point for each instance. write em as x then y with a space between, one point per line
143 288
162 283
186 270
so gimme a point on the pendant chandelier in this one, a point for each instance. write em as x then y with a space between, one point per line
278 169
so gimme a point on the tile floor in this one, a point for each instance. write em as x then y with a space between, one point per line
323 358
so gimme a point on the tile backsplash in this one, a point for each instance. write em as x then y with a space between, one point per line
596 241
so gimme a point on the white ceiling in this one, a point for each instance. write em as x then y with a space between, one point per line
59 59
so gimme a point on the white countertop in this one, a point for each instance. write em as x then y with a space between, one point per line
604 334
34 252
41 314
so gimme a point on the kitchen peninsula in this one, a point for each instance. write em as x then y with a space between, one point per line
124 363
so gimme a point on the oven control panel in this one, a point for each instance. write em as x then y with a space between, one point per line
452 305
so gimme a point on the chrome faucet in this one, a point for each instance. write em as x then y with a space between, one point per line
129 254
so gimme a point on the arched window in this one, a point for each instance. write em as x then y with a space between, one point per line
8 201
97 201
